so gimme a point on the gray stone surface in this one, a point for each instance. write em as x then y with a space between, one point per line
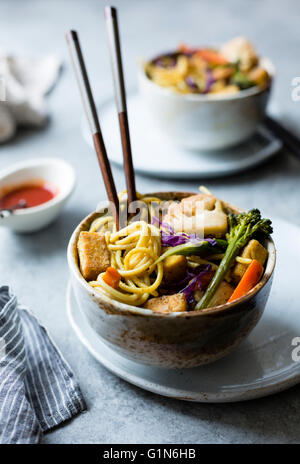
35 265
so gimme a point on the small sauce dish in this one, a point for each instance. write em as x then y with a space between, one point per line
33 193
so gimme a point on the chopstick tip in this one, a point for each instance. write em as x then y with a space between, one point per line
110 12
71 35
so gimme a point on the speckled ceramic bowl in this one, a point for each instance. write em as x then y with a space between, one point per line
175 340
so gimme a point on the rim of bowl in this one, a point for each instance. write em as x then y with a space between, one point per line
247 93
36 162
134 310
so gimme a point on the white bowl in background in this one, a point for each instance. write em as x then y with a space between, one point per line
205 122
53 170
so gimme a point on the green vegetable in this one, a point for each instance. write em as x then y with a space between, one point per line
203 248
242 228
241 80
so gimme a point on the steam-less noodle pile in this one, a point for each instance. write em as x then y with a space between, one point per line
134 250
165 265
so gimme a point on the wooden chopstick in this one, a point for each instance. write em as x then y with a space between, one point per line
291 141
120 96
91 114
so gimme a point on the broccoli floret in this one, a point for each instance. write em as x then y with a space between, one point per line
246 226
242 228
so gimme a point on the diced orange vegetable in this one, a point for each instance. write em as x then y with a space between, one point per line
249 280
211 56
112 277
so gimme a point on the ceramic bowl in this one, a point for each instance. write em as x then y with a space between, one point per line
54 170
175 340
205 122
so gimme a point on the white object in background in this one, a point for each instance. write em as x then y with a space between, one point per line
261 366
7 124
26 81
154 155
54 170
205 122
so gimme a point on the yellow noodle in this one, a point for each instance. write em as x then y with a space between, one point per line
242 260
134 250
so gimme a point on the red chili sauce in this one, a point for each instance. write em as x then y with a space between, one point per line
34 193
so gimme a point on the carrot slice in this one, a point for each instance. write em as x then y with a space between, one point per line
211 56
249 280
112 277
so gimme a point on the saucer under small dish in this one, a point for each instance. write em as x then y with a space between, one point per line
267 362
154 155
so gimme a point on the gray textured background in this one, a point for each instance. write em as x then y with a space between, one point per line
35 265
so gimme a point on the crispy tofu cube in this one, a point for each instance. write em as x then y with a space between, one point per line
254 250
174 268
222 295
259 76
167 303
94 256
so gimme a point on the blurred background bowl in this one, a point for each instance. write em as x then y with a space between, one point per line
205 122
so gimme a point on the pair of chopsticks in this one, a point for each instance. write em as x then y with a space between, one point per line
91 112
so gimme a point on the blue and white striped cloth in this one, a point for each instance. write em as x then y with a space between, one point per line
37 387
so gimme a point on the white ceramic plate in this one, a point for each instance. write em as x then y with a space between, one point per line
263 363
153 155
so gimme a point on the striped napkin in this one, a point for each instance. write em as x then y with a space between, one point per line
37 387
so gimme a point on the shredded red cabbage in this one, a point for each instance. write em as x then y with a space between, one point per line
178 286
165 225
191 83
171 239
161 62
195 283
190 283
209 81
